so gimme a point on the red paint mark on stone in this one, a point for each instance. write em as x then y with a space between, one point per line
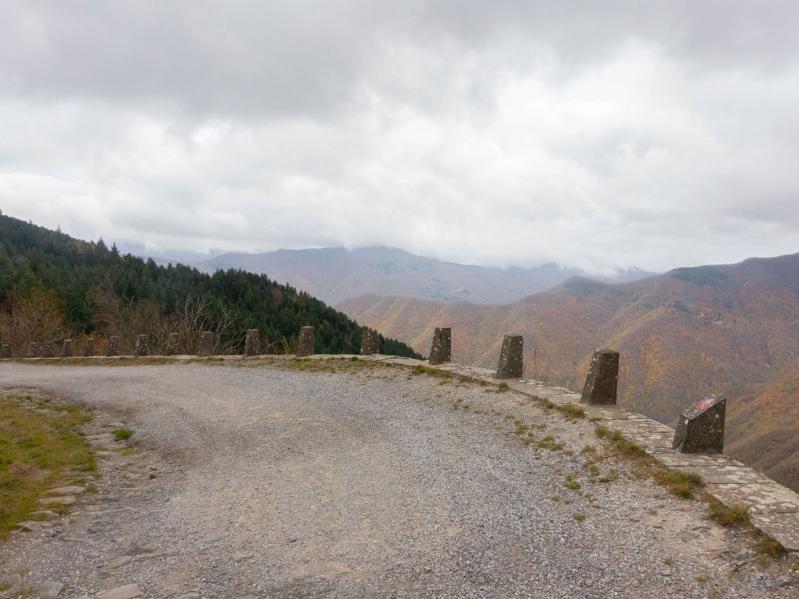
705 404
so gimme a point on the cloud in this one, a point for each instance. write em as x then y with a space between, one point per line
509 133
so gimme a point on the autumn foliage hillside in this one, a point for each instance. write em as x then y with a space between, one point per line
731 330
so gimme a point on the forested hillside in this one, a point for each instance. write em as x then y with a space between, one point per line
731 330
53 286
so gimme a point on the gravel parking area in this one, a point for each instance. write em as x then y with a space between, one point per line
361 481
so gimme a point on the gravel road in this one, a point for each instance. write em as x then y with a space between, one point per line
363 482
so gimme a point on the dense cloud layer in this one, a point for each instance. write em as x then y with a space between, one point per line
605 135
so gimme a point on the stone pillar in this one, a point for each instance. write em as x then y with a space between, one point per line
141 345
441 351
510 358
48 350
172 344
35 350
305 344
252 342
701 428
66 350
603 378
113 346
88 348
207 343
5 351
370 342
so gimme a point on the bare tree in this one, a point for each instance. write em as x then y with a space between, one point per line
203 314
35 316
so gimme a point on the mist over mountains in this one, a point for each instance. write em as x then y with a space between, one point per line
337 274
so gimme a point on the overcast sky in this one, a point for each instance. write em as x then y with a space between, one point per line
598 135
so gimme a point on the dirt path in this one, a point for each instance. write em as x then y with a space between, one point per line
269 482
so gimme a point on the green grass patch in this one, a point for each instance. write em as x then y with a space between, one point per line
570 410
735 515
550 443
579 517
123 434
768 547
502 387
114 361
40 442
434 372
571 483
681 484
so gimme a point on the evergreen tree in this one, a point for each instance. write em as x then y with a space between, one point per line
77 273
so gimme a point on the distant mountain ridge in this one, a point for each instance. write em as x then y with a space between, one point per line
337 274
727 329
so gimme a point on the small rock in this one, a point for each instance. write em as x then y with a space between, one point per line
782 581
118 562
46 515
129 591
48 589
29 526
63 500
13 581
72 490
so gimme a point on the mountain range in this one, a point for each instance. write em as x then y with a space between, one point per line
731 330
337 274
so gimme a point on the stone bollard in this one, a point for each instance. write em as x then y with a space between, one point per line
603 378
305 344
34 350
172 344
5 351
66 349
510 358
113 346
141 345
701 428
441 351
88 348
370 342
207 342
252 342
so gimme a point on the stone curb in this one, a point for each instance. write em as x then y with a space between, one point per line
774 509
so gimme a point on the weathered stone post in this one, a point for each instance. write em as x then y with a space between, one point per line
603 378
113 346
510 358
207 340
370 342
441 351
305 344
252 342
141 345
701 428
172 344
5 351
88 348
34 350
66 350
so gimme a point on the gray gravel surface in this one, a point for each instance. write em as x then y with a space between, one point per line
369 482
